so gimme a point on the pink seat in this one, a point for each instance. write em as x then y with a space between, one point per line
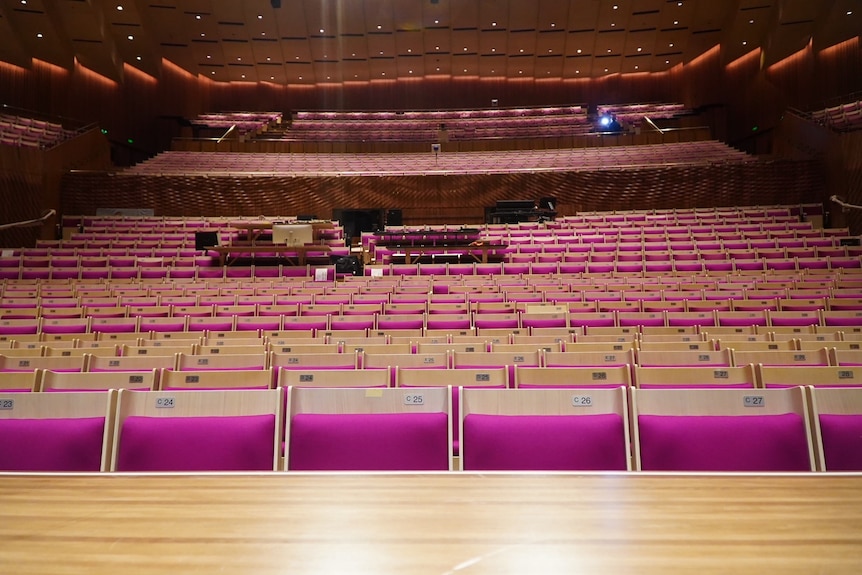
34 436
383 432
760 430
237 436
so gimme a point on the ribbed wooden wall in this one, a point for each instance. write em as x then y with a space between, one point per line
450 199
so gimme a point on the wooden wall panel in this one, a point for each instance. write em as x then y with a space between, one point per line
427 199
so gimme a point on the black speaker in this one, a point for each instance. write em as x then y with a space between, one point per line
394 218
275 3
204 240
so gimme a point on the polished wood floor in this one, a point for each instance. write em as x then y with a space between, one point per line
430 524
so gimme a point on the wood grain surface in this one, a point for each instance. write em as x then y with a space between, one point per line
430 523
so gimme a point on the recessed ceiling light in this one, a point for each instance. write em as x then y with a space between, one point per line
382 73
639 49
615 6
209 56
577 71
550 50
243 76
493 49
272 77
521 50
409 71
138 58
667 61
379 26
38 34
203 35
438 68
850 12
436 47
609 50
381 52
130 37
465 48
263 33
553 25
321 30
197 16
465 69
213 72
493 23
268 59
260 16
409 50
579 50
328 77
239 58
606 69
119 7
612 24
300 77
520 71
671 45
675 22
297 57
637 67
744 43
751 21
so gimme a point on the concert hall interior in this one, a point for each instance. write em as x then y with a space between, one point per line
430 286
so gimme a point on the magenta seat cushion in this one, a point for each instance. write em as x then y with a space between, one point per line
544 442
239 443
723 443
842 441
51 444
369 442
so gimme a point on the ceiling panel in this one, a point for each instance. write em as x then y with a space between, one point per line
514 38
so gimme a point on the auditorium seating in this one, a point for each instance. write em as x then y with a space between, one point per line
64 431
722 430
574 330
545 430
368 429
506 161
234 430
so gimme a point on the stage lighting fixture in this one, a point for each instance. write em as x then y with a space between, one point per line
605 121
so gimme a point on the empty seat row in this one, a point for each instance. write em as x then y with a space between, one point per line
719 430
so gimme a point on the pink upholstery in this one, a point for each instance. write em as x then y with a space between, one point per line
241 443
723 443
51 444
842 441
544 442
369 442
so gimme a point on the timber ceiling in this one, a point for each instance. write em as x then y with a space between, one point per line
308 42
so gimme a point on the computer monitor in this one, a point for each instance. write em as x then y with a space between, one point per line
292 234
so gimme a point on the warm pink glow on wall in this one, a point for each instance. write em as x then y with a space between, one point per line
11 67
94 77
851 44
48 66
793 60
139 75
711 53
176 69
745 60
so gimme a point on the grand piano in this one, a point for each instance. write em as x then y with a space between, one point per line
514 211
